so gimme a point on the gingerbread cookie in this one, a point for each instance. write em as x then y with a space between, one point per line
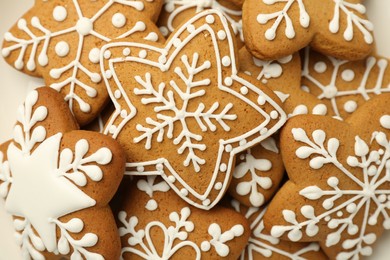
258 173
57 182
274 29
344 85
262 245
154 223
175 12
184 112
338 192
283 77
60 41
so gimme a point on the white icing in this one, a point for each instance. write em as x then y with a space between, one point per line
118 20
162 94
55 193
350 106
320 67
271 69
84 27
374 70
365 196
385 121
60 13
260 242
255 167
94 55
62 49
149 187
279 16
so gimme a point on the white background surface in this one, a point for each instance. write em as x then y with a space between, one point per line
14 87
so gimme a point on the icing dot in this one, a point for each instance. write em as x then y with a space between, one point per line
206 202
112 129
228 81
210 19
84 26
123 113
320 67
348 75
140 169
205 246
176 42
274 114
117 94
142 54
94 55
248 73
59 13
264 131
228 148
159 167
327 218
350 106
226 61
107 54
264 81
339 213
118 20
320 109
305 88
244 90
223 167
351 208
330 92
171 179
190 28
382 198
151 205
218 186
242 142
126 51
221 35
242 157
164 31
108 74
62 49
385 121
261 100
184 192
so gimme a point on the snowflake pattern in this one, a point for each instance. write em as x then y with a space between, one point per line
203 116
78 78
340 89
176 7
248 175
150 187
349 9
348 212
175 236
266 245
38 157
173 104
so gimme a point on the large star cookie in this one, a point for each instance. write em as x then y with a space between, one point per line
338 192
277 28
61 40
184 112
154 223
57 182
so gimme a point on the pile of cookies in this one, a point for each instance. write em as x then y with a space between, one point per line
198 129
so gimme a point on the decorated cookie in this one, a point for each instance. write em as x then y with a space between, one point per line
283 77
258 174
184 112
344 85
176 12
57 182
154 223
262 245
60 40
277 28
338 192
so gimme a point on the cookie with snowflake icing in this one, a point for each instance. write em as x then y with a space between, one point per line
283 77
257 174
344 85
61 40
262 245
184 112
338 192
277 28
57 182
154 223
175 12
